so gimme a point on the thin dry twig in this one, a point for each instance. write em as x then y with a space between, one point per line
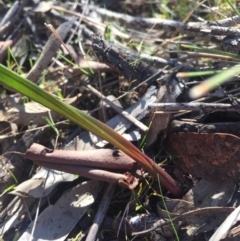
184 217
102 210
125 180
12 16
133 120
226 37
194 106
49 50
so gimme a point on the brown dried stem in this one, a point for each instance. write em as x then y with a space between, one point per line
101 158
84 163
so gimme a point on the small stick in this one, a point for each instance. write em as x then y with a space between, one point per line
123 60
195 106
226 37
133 120
187 216
10 13
12 16
49 50
102 209
53 30
193 28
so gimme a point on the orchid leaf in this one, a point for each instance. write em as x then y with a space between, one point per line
18 83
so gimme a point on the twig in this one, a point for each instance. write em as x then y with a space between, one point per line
8 208
218 127
193 28
12 16
123 60
10 13
187 216
102 209
199 55
227 38
133 120
195 106
49 50
227 22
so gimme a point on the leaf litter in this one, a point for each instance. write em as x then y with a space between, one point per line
122 40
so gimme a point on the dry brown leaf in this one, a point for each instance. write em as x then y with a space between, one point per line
206 219
159 121
210 156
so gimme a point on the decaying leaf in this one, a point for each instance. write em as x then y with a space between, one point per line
205 194
167 92
210 156
226 225
42 183
201 209
31 187
57 221
205 219
33 112
15 210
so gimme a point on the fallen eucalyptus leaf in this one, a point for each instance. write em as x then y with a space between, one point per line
57 221
31 187
204 155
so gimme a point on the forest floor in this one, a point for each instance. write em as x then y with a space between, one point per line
163 75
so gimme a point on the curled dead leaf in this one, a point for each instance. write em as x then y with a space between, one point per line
89 164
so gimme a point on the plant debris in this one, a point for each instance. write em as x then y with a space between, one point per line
133 66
